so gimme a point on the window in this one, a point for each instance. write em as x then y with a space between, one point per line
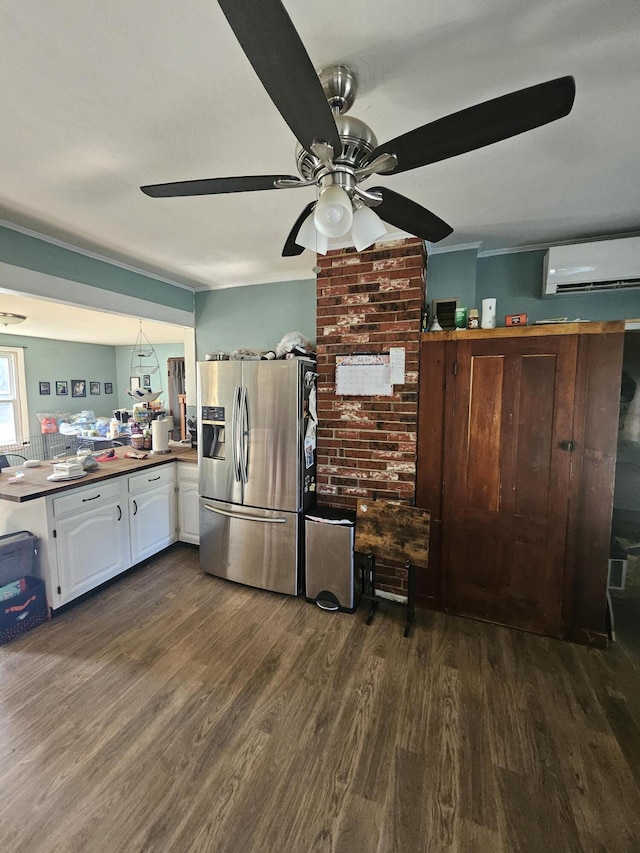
14 418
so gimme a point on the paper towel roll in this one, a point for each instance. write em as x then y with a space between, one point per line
159 436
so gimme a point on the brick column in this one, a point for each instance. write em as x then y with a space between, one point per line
369 301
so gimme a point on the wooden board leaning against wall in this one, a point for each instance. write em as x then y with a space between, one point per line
516 462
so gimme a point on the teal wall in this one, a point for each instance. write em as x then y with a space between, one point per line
23 250
123 372
515 280
254 317
452 274
49 361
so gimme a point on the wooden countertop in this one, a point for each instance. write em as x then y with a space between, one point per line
34 484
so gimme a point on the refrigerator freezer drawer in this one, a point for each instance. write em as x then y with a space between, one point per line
256 547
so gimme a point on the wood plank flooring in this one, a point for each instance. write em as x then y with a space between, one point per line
173 711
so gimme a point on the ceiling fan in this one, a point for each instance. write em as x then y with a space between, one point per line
336 152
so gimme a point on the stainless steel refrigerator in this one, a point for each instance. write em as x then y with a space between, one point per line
256 455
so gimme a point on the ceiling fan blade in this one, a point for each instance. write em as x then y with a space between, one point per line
212 186
481 125
291 248
409 216
275 50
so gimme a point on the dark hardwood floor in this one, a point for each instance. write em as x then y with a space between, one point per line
173 711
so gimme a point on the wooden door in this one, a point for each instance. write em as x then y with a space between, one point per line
507 478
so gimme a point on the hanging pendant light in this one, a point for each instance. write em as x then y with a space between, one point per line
144 362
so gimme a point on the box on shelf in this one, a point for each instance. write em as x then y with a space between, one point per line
515 320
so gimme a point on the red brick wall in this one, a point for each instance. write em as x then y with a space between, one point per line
370 302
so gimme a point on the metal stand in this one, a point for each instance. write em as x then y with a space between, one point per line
411 597
369 586
369 591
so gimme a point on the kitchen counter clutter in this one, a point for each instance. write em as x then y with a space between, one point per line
94 527
34 483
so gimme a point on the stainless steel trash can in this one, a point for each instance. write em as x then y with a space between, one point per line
330 578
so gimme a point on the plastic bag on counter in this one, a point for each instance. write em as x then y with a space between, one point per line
85 417
51 422
102 426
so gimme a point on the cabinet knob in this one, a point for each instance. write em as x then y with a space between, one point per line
568 444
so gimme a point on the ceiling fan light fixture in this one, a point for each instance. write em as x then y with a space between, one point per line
309 237
333 214
367 228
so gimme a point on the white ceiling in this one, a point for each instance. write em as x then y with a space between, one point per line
98 98
59 321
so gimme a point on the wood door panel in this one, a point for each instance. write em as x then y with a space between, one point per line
506 510
482 445
535 429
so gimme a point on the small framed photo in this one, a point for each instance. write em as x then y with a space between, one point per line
45 387
78 388
134 382
62 389
108 387
94 387
146 380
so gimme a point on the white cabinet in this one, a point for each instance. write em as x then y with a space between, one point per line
188 503
90 533
91 538
152 511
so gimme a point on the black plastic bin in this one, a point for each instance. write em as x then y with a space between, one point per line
25 609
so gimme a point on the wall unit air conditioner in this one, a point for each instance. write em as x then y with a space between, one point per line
585 267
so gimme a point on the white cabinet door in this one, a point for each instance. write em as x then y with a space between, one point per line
91 547
188 504
152 521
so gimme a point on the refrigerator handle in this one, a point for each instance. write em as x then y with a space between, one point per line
235 432
239 515
243 429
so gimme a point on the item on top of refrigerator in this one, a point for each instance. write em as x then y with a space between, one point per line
291 341
217 355
248 354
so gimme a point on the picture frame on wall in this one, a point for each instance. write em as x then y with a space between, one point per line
146 380
62 388
94 387
45 387
134 382
78 388
108 387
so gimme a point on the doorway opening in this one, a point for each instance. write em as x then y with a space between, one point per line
176 394
624 556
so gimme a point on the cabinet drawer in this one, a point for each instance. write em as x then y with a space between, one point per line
86 498
152 478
